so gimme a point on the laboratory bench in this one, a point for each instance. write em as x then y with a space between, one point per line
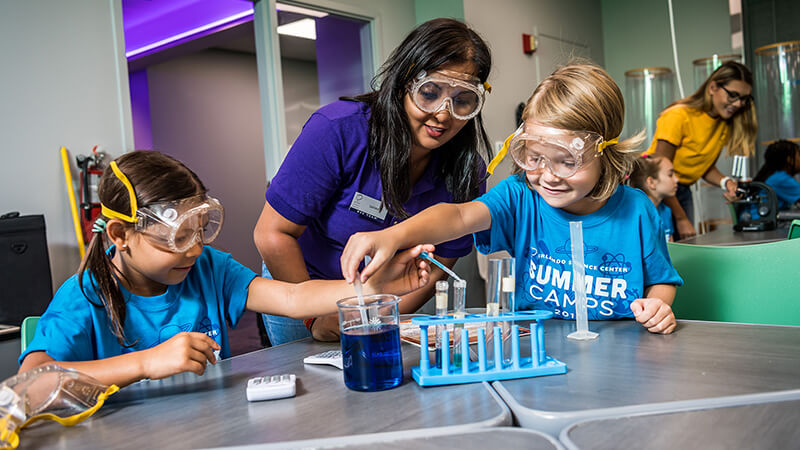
628 371
704 372
725 235
763 425
187 411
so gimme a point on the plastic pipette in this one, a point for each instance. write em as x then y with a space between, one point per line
441 310
430 258
579 284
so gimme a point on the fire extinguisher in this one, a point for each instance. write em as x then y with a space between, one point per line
91 169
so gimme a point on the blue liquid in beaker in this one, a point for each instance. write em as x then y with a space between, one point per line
372 358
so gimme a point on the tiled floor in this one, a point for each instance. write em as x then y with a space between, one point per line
245 338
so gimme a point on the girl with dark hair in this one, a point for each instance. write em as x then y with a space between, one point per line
655 176
692 131
156 301
367 162
781 164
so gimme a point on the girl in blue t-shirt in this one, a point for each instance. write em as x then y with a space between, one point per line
781 164
655 176
156 302
569 166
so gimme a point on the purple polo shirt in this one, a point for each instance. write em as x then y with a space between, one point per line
325 169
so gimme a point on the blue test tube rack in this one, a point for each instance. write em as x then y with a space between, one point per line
535 365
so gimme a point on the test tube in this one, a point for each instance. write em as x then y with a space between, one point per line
459 312
494 286
441 310
507 303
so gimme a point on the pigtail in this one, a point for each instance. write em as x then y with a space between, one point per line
103 282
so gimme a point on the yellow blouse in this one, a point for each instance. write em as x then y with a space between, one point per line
699 139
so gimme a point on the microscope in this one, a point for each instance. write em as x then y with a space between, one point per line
756 206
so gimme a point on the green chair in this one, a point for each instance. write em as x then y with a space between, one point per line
746 283
28 330
794 229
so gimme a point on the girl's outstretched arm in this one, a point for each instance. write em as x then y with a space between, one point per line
403 274
184 352
437 224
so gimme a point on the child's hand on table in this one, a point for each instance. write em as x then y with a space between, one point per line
184 352
654 314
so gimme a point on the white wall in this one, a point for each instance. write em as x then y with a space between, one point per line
61 85
205 112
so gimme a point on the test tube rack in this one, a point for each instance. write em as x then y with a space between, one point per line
538 364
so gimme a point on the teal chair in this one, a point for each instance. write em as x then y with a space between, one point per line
746 283
27 331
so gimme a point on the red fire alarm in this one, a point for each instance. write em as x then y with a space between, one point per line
528 43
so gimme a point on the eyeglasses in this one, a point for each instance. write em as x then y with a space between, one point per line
733 96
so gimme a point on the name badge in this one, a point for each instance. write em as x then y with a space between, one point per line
368 206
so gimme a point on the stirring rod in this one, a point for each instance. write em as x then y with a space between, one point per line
430 258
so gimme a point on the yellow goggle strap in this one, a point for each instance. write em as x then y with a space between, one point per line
487 86
605 144
500 155
77 418
8 436
108 212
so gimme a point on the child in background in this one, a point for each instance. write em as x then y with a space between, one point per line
655 176
569 168
781 164
156 302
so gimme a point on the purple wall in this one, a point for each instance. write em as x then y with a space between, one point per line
140 110
339 58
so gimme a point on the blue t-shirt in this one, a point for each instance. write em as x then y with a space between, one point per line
786 188
666 220
623 244
328 184
213 293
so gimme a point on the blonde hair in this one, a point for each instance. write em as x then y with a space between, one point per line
744 124
583 97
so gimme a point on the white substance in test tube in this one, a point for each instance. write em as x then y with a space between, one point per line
579 284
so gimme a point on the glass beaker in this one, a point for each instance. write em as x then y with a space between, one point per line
371 351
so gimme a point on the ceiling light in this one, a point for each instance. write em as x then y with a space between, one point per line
303 28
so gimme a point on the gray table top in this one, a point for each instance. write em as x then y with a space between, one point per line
628 370
187 411
724 235
767 425
436 438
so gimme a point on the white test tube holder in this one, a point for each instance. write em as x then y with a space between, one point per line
537 364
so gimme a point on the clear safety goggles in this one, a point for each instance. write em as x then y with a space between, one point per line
180 224
177 225
562 152
49 392
437 91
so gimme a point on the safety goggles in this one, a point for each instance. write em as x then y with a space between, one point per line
563 152
48 392
177 225
437 91
180 224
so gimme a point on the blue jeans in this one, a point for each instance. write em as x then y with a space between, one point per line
684 196
282 329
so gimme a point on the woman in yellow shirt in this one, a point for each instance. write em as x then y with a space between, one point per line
692 131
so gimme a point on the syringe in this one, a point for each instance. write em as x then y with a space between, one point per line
459 312
441 310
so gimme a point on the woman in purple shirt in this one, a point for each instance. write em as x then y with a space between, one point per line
365 163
